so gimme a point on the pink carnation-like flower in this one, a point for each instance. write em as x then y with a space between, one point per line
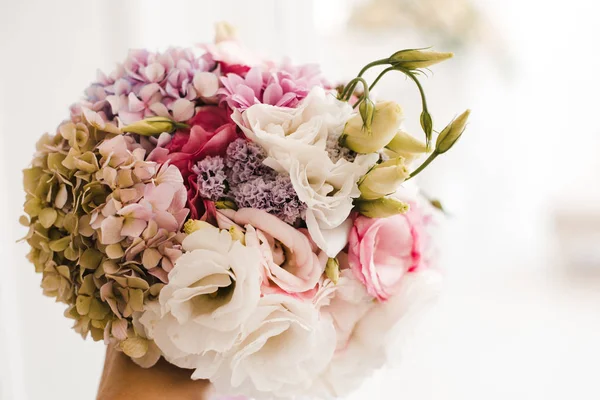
283 87
381 251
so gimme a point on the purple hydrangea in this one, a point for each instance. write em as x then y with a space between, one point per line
275 195
244 161
211 178
147 84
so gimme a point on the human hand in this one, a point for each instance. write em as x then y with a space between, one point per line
122 379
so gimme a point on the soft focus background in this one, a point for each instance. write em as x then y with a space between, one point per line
520 316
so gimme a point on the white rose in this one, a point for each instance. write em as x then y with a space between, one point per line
213 289
285 346
367 330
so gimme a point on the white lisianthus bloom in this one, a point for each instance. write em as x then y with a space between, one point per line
317 117
296 140
213 289
328 189
367 330
285 346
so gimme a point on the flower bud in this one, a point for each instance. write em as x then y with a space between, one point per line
153 126
381 208
451 133
415 59
427 125
383 179
225 205
332 270
386 120
367 112
194 225
237 234
224 32
405 145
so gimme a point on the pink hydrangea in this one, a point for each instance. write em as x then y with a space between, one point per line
146 209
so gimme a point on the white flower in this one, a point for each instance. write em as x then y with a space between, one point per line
367 330
328 189
295 140
213 289
286 345
290 130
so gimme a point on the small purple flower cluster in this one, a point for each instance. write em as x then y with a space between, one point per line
242 177
275 196
211 177
244 161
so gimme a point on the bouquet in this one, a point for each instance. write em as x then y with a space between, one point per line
242 218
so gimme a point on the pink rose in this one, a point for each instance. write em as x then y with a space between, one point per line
290 264
382 250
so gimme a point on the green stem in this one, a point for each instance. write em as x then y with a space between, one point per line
419 86
181 125
424 165
352 84
383 61
423 99
385 71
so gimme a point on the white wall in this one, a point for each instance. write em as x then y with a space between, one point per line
508 325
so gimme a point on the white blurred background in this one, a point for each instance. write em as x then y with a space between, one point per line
520 316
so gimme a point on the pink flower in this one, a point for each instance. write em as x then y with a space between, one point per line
211 132
288 257
381 251
148 84
281 88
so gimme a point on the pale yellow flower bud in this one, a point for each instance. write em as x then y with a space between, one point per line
381 208
224 32
386 120
237 234
225 205
383 179
332 270
367 112
405 145
194 225
153 126
415 59
452 133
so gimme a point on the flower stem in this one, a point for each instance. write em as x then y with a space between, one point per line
385 71
352 84
425 110
383 61
424 165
